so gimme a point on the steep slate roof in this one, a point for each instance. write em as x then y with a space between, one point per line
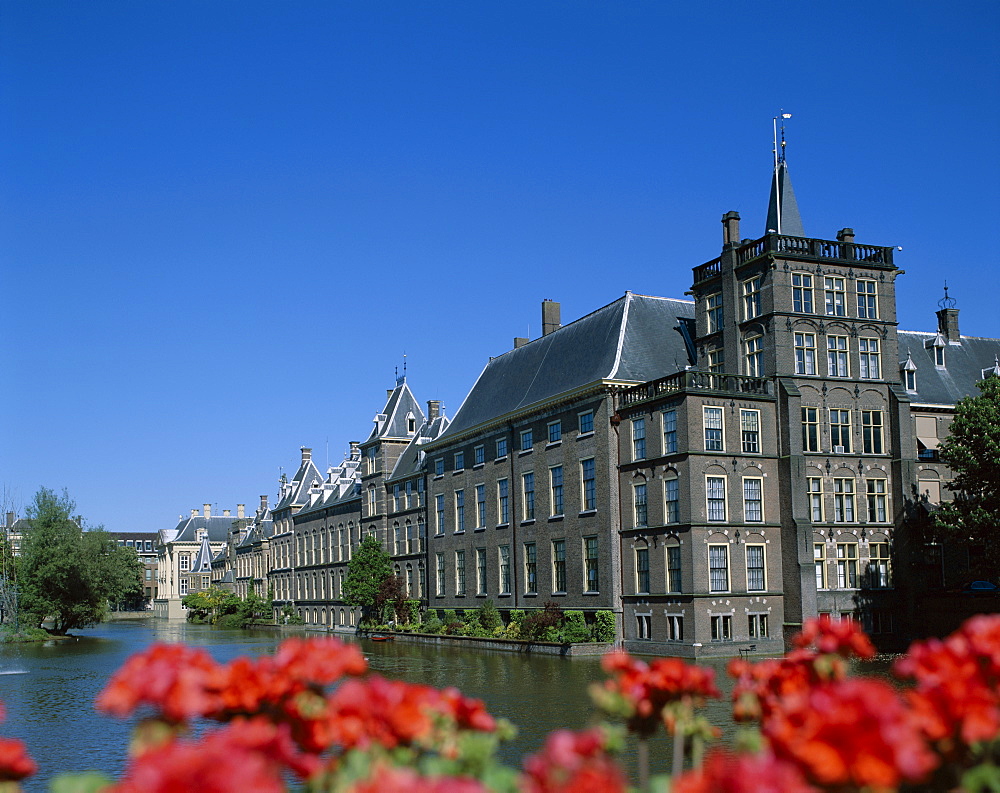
635 339
203 561
218 527
964 365
409 461
297 493
399 405
791 222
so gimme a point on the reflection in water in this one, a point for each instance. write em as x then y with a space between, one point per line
49 688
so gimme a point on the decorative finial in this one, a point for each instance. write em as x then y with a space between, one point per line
779 152
947 302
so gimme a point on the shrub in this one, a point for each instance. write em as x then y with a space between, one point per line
450 616
574 627
604 626
543 625
433 625
489 617
516 616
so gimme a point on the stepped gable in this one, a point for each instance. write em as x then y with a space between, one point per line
634 339
964 366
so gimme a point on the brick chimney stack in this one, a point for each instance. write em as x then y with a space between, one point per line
306 454
520 341
240 511
550 317
730 229
207 510
433 409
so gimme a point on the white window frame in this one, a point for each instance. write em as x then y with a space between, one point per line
708 424
750 431
721 551
585 419
802 293
712 496
805 353
870 357
867 294
753 548
752 513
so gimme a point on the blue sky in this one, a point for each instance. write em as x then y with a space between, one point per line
224 223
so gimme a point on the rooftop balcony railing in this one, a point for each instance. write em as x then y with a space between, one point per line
690 380
802 248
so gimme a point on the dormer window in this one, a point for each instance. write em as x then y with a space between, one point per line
911 380
937 344
908 373
411 424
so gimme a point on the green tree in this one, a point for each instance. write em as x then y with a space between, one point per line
68 575
368 569
972 451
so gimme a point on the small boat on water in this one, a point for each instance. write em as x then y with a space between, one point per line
379 637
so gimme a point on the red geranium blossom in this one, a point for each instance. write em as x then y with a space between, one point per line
839 637
15 764
393 779
573 762
742 773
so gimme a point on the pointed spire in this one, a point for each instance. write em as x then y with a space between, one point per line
783 209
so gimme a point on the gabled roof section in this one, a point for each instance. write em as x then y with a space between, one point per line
216 526
782 208
296 492
203 561
964 364
400 408
411 460
635 339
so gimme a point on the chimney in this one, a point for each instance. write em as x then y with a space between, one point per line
948 318
355 450
262 509
845 235
388 392
240 511
207 510
194 513
433 409
730 229
225 513
520 341
10 519
306 454
550 317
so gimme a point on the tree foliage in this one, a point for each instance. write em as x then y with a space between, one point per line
368 568
972 451
68 575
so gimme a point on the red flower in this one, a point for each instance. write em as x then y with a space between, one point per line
392 779
838 637
957 693
15 764
742 773
573 762
177 680
849 732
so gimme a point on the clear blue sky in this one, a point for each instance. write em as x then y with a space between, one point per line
223 223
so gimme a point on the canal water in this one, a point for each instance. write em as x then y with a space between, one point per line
49 689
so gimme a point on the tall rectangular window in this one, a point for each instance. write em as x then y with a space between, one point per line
750 431
440 574
840 431
528 488
587 422
501 448
439 466
640 506
715 493
802 293
751 298
669 431
757 626
527 440
559 565
815 486
480 571
877 512
756 578
480 506
716 360
479 455
459 510
871 431
805 353
589 480
643 627
675 627
530 568
409 495
879 569
715 312
722 627
639 439
836 356
867 305
810 429
671 490
398 539
556 482
459 461
397 498
835 301
590 563
753 500
843 500
459 572
555 431
674 568
847 565
718 568
754 353
871 367
439 509
819 561
503 502
714 440
504 569
642 571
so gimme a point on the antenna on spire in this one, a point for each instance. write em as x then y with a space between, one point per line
404 364
947 302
